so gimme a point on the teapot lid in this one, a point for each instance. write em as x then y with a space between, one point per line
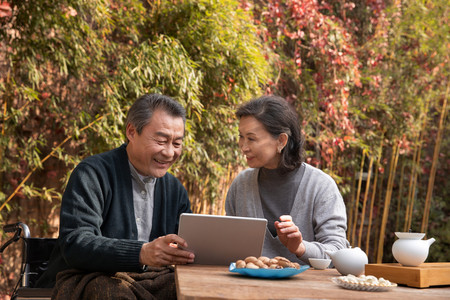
410 235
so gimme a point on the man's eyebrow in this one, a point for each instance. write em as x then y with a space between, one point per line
168 136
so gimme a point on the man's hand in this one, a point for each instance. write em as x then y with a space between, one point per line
165 251
289 235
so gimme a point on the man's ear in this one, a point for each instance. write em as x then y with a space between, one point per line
282 140
131 131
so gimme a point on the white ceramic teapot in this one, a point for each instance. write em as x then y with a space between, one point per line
410 250
349 260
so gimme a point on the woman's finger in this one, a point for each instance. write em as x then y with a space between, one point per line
285 218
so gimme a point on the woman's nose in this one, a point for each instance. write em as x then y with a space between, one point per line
243 146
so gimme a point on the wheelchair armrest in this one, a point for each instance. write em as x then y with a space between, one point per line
17 228
36 252
11 227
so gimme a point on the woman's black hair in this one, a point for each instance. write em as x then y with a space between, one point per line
278 117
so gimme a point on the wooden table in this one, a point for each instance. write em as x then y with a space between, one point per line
216 282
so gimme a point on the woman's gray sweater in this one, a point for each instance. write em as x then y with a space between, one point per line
318 210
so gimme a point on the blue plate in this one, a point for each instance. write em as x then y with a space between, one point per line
268 273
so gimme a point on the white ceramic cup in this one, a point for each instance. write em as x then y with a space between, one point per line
319 263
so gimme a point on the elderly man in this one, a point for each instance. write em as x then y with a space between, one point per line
120 213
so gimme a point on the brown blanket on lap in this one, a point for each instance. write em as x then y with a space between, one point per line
156 283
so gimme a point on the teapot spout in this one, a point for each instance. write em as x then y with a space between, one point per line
330 253
431 241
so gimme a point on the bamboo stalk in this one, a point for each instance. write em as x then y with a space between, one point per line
377 223
387 203
229 180
400 194
411 187
408 199
195 198
363 212
414 183
415 167
374 191
437 149
350 209
203 198
358 193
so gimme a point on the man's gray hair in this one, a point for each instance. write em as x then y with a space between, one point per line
142 110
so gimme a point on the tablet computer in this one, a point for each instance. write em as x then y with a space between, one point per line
221 240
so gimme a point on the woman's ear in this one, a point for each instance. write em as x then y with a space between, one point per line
282 141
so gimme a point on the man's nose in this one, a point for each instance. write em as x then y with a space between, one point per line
169 150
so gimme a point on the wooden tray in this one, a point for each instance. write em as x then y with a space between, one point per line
425 275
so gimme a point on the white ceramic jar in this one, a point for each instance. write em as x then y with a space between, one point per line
410 250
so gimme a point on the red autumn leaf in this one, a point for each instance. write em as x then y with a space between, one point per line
45 95
5 10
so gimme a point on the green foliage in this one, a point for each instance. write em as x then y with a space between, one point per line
72 69
360 74
365 76
220 38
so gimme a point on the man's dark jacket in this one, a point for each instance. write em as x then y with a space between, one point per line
97 227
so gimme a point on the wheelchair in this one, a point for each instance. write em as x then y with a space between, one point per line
35 255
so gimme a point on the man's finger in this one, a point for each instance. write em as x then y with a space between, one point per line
175 239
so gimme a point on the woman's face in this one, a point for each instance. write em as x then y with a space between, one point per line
258 145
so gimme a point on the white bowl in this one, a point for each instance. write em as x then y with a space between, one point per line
319 263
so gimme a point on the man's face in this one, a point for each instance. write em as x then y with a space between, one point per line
158 146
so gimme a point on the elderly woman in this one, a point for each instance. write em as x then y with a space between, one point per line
304 208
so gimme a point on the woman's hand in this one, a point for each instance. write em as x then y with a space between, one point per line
289 235
165 250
